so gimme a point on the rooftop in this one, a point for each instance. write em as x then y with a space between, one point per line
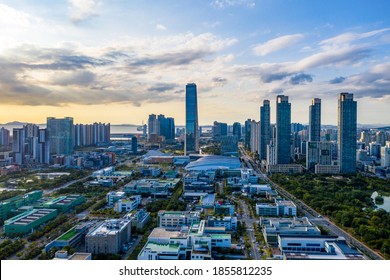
80 257
213 163
164 233
158 247
29 217
68 235
109 227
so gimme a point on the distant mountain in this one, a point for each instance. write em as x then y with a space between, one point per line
15 123
123 124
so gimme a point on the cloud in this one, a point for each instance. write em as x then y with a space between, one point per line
301 79
219 81
337 80
82 10
348 37
160 27
82 78
162 87
277 44
222 4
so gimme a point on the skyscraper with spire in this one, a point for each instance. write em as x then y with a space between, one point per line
191 143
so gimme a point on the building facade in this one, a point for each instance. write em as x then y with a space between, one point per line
61 135
347 125
192 123
283 130
265 129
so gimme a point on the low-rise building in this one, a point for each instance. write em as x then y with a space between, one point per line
109 237
138 218
12 204
257 189
153 187
199 187
326 169
28 221
174 219
113 197
300 227
278 208
72 238
65 203
127 204
228 222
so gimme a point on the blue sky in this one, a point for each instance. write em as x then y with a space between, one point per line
119 61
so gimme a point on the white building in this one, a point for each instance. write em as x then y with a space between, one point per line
385 155
173 219
279 208
228 222
127 205
113 197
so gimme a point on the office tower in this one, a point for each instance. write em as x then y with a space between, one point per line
347 124
315 120
191 143
385 155
381 138
283 130
271 154
247 133
61 135
134 145
237 130
296 127
265 128
170 136
255 137
4 137
18 145
219 129
43 146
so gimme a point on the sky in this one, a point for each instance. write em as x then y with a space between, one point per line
118 61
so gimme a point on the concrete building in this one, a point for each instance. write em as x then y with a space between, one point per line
153 187
255 137
279 208
347 125
109 237
113 196
326 169
228 222
28 221
299 227
127 204
318 153
139 218
174 219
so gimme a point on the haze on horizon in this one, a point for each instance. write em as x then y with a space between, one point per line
118 62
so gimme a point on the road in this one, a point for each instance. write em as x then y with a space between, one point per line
309 212
248 220
46 192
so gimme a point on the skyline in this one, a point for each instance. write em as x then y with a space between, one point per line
77 58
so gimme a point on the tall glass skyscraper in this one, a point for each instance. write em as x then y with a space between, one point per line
347 125
283 130
265 128
61 135
192 132
315 120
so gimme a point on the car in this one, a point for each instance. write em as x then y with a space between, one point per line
319 216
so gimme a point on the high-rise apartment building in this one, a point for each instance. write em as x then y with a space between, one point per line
385 155
161 126
61 135
315 120
237 130
191 143
247 133
219 129
91 134
255 137
18 145
347 125
4 137
265 128
318 153
283 130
